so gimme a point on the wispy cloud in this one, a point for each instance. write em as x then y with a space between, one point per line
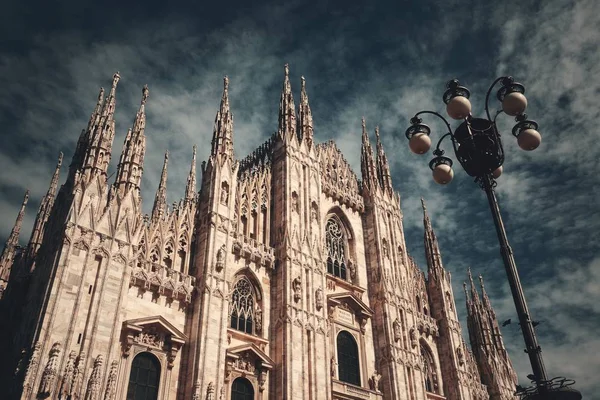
382 62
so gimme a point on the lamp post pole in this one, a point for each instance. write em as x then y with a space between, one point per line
478 148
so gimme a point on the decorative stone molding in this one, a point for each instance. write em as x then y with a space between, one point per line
152 333
250 361
297 288
164 281
254 251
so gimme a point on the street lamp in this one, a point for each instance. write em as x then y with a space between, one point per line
478 148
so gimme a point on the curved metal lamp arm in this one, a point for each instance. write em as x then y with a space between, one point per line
437 150
487 97
450 133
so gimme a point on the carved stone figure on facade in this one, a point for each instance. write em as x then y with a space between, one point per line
297 287
352 271
374 381
319 299
295 206
413 337
258 319
224 199
334 367
460 355
111 383
314 213
397 330
220 258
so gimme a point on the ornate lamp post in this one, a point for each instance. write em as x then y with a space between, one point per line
478 148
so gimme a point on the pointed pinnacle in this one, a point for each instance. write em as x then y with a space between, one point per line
287 70
225 84
377 134
481 282
116 78
423 205
466 292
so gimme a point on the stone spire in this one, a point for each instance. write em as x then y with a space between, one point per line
497 372
10 248
432 250
222 141
37 234
84 137
367 160
190 187
131 163
287 112
305 120
160 201
383 167
100 136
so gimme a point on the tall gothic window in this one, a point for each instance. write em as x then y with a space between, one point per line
349 367
143 379
241 308
336 242
429 371
242 389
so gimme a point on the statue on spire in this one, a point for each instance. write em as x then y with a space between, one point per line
305 120
287 112
10 248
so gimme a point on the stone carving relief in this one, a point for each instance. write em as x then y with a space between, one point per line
258 319
413 337
245 363
334 367
374 381
152 339
220 258
297 287
352 271
314 212
224 196
319 299
460 355
295 205
397 330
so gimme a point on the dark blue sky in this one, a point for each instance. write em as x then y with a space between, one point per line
383 60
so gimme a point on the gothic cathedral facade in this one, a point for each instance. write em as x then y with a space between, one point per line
283 277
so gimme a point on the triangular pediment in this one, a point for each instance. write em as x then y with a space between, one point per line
265 360
351 300
157 322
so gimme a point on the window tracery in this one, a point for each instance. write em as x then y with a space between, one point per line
336 243
242 307
429 374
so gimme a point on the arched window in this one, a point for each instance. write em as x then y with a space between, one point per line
349 367
242 389
429 370
144 377
241 308
336 243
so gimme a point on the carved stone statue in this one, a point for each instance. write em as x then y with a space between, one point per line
220 259
224 199
295 207
319 299
210 390
374 381
258 319
397 330
413 337
352 270
297 286
334 367
460 355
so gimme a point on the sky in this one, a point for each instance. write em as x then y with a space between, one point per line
384 61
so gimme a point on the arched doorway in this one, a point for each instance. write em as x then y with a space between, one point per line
242 389
144 378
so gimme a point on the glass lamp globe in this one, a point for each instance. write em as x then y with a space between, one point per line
497 172
514 103
419 143
443 174
459 107
529 139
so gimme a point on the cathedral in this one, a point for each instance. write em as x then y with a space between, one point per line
282 276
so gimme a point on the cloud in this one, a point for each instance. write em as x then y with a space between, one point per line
381 62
